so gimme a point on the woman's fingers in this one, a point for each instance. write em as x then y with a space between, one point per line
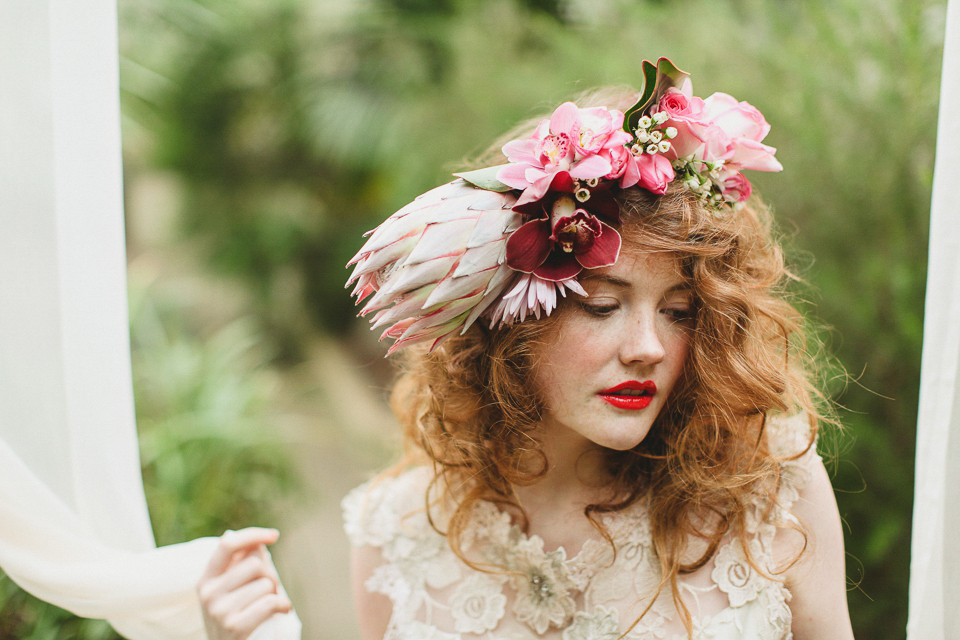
239 589
246 570
233 542
242 597
242 623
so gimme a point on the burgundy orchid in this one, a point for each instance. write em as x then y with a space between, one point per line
566 239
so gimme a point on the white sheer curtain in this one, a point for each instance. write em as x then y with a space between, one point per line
74 528
935 559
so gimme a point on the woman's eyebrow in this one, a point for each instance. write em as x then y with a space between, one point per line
681 287
602 277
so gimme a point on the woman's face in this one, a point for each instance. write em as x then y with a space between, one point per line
611 361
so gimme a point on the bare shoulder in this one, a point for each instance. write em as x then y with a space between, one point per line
375 515
373 609
817 579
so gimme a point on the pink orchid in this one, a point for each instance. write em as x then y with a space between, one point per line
559 246
571 141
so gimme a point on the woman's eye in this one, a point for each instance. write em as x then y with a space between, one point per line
599 310
682 314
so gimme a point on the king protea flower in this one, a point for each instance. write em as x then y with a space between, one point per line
437 264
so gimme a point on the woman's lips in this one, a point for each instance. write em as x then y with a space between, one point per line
632 394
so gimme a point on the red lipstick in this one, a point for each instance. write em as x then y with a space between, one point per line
632 394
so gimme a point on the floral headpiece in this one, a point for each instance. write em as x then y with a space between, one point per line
502 242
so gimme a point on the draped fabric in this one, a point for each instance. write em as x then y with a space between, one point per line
935 559
74 528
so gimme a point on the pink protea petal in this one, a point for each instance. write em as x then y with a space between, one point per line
604 251
573 285
530 294
529 246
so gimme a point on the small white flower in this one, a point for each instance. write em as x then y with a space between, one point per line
592 182
645 122
660 117
671 132
602 624
664 146
656 136
652 148
478 604
642 136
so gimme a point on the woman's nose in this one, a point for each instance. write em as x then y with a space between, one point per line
642 343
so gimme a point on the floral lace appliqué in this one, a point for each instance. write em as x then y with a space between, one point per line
478 604
599 594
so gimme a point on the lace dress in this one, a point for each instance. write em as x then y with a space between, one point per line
594 595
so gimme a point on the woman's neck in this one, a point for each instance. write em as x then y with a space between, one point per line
577 475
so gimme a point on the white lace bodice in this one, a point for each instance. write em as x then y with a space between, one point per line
594 595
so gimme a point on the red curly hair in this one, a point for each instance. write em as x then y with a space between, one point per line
467 407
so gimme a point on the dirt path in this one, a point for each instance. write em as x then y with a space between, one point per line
342 432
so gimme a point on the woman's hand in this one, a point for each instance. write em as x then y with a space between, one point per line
240 588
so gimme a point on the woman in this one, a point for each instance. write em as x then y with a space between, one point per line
632 458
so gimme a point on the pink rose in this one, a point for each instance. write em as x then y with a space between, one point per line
685 113
619 157
736 188
737 119
656 172
717 146
748 154
680 104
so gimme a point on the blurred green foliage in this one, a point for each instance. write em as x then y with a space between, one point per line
291 126
210 461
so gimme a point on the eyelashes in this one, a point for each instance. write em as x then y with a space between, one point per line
599 310
680 315
685 315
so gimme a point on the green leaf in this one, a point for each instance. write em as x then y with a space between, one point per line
656 80
485 178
